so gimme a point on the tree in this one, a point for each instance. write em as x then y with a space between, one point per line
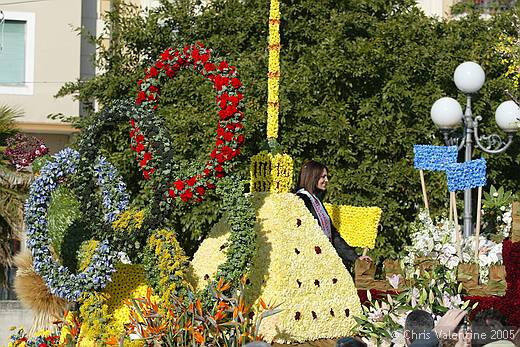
358 80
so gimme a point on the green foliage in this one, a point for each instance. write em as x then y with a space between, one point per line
7 126
358 80
241 245
64 209
497 199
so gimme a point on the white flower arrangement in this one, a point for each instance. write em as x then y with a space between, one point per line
490 253
432 240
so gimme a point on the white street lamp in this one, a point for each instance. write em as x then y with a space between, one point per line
507 116
469 77
446 113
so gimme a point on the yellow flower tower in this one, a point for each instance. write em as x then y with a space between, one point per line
295 264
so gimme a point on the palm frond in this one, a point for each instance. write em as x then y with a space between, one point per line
7 121
13 192
16 180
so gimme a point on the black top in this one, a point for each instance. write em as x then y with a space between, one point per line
346 253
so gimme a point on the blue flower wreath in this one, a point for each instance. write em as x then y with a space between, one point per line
466 175
434 158
60 281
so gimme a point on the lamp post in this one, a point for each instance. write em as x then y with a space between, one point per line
447 114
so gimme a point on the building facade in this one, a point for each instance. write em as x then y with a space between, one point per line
40 51
436 8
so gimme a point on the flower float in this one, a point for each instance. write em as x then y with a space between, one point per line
294 265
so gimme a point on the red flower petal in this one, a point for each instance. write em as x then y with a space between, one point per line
179 185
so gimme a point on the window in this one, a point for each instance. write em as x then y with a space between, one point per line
17 53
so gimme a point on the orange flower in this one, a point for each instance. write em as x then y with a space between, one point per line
112 341
222 305
198 338
199 307
221 286
220 315
262 303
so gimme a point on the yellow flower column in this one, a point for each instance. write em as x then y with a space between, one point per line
271 173
273 81
295 265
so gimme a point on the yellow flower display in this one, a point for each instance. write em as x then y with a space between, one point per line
508 49
271 173
273 81
295 265
129 220
104 314
356 225
172 263
87 250
210 254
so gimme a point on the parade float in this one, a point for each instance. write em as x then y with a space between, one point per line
116 275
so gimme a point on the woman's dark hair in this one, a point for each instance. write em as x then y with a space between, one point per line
310 174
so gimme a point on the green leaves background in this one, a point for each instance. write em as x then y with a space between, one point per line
358 80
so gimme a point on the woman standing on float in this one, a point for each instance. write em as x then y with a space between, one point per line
312 187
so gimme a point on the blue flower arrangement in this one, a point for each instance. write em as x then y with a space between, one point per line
466 175
59 279
434 158
113 190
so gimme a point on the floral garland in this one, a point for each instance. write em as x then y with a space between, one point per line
131 233
242 240
356 225
58 278
271 173
229 99
166 265
273 81
88 146
113 190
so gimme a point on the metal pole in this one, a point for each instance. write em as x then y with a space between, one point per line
468 213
